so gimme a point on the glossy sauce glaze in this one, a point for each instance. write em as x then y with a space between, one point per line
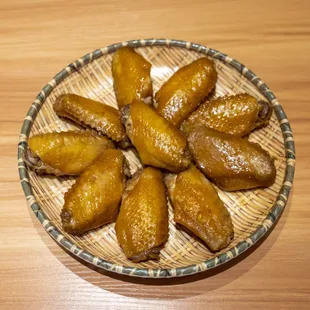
131 75
94 198
97 115
185 90
65 153
142 225
158 142
232 163
198 207
237 115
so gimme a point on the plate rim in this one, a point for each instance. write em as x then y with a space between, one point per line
219 259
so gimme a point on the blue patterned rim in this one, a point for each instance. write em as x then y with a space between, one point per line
171 272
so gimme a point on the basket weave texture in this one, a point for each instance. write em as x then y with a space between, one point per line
253 211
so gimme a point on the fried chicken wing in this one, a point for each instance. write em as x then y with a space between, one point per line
142 224
64 153
232 163
94 114
158 142
131 74
198 207
94 198
237 115
185 90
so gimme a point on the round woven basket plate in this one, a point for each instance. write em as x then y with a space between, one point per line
253 211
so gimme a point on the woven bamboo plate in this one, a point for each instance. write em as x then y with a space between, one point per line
253 211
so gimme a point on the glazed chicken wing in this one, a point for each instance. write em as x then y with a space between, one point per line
198 207
185 90
142 224
64 153
158 142
131 74
94 198
97 115
237 115
232 163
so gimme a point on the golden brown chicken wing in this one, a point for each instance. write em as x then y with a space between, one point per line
131 74
198 207
232 163
142 224
94 198
185 90
158 142
237 115
97 115
64 153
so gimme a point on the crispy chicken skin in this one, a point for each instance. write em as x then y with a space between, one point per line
232 163
158 142
99 116
142 224
237 115
64 153
198 207
94 198
185 90
131 74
